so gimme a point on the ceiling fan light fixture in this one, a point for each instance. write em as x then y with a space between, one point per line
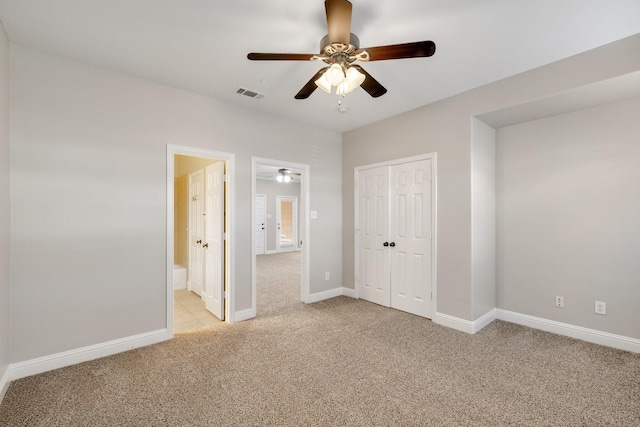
284 175
323 83
339 49
354 78
344 88
335 74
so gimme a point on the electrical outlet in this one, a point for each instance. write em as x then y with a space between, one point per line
559 302
326 276
601 308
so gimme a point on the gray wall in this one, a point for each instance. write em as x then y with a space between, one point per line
483 217
272 189
445 127
88 181
568 191
4 205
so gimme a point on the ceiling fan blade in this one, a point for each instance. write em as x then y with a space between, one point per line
338 20
280 56
400 51
370 85
311 85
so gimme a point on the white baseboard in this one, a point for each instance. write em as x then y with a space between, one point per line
4 382
331 293
468 326
319 296
584 334
242 315
84 354
348 292
578 332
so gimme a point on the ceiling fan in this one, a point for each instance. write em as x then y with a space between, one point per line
286 175
339 49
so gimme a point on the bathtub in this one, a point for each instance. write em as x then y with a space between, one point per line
179 277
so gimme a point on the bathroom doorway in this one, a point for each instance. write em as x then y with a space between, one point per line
199 285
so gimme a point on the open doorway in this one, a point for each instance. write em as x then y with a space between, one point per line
198 283
280 242
287 223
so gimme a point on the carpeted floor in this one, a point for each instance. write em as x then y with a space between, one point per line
338 362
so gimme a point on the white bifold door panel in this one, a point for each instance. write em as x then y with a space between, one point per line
373 227
394 236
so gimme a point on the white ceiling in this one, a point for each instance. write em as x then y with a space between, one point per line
201 45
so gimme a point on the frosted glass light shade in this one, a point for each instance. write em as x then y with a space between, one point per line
323 84
353 79
335 74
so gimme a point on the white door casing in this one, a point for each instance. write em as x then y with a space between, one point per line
395 247
260 223
213 289
196 231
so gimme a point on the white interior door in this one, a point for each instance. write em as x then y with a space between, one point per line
410 234
213 245
196 231
261 221
372 233
286 223
394 236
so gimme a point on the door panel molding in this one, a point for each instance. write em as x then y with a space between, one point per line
195 281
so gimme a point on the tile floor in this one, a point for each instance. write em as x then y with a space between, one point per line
189 312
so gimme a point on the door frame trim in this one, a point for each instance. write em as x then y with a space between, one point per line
229 226
304 214
434 218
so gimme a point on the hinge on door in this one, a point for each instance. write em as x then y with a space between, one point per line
224 294
224 236
224 177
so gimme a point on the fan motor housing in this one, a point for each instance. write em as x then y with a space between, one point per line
332 48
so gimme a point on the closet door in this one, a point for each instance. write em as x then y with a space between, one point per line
394 247
373 233
410 237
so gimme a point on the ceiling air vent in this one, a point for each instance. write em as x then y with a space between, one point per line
250 93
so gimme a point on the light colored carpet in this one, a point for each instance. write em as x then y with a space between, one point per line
339 362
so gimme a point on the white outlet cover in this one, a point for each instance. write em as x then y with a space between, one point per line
314 214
